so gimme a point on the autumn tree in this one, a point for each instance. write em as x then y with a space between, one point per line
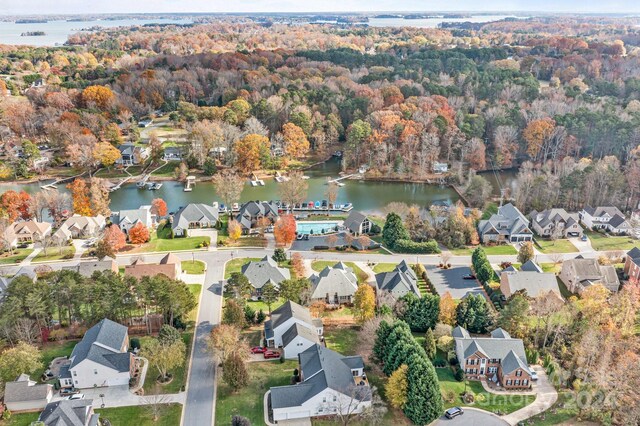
234 371
364 303
234 230
294 190
250 152
331 194
100 96
99 197
224 340
159 207
80 196
296 144
537 133
139 234
106 154
396 388
15 205
113 239
526 252
447 309
284 230
164 356
22 358
228 186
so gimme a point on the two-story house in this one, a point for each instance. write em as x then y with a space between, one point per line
358 223
500 358
127 219
578 274
608 218
262 272
399 282
291 327
252 211
556 223
335 285
632 265
506 226
75 412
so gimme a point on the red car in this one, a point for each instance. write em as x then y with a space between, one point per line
271 354
258 350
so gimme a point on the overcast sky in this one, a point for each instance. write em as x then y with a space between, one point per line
151 6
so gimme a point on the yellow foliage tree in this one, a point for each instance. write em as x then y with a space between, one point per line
364 303
106 154
250 151
397 386
537 133
447 309
235 230
102 96
296 144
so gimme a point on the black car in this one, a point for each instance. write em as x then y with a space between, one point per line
453 412
468 277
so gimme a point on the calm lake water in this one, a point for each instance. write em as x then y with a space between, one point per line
431 22
58 31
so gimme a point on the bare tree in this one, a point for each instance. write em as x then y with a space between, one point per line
26 330
156 404
331 194
348 407
294 190
228 186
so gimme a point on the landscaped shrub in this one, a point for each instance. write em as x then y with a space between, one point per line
134 343
375 229
459 374
408 246
321 247
279 255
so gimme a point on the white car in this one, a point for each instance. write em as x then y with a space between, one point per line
76 396
534 376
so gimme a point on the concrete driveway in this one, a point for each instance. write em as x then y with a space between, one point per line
582 246
546 396
471 417
451 280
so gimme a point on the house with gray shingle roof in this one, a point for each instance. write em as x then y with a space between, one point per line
335 285
76 412
499 358
578 274
506 226
534 283
286 317
101 358
530 266
400 281
631 265
358 223
556 222
329 384
261 272
252 211
127 219
298 338
80 227
608 218
194 215
24 394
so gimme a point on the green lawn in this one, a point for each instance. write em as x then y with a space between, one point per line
557 246
141 416
17 256
258 304
244 241
195 289
341 340
319 265
601 242
551 267
179 374
248 402
504 249
113 173
161 241
53 350
487 401
53 253
562 411
24 419
383 267
235 265
193 267
167 170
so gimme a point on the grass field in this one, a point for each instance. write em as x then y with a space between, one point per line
161 241
195 289
557 246
193 267
17 256
551 267
235 265
383 267
504 249
319 265
141 416
341 340
166 170
53 253
179 374
601 242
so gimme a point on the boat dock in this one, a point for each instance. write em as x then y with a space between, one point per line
119 184
191 180
255 181
54 184
280 178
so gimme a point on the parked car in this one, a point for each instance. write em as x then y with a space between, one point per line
271 354
299 237
584 238
468 277
76 396
68 391
258 350
306 237
453 412
534 375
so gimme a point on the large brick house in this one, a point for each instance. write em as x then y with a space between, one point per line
499 358
632 265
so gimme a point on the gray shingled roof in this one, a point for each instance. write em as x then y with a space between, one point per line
289 310
24 389
261 272
507 221
530 266
399 281
299 330
618 221
500 333
602 210
354 220
497 347
534 283
339 279
87 268
94 344
633 254
75 412
512 362
589 271
460 332
134 216
194 212
252 210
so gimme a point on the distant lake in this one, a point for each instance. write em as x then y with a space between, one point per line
57 32
431 22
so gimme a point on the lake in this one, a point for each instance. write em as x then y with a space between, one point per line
431 22
58 31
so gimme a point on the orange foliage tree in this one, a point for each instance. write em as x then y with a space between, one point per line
80 196
284 230
15 204
159 207
250 150
537 133
234 229
139 234
101 96
115 238
296 144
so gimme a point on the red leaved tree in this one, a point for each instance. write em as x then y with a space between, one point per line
284 230
115 238
159 207
139 234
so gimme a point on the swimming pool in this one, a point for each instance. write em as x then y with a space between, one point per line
316 227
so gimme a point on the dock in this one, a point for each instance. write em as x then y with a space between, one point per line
191 180
119 184
143 182
337 180
54 184
280 178
255 181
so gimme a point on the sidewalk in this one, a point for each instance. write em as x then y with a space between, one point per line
27 260
371 275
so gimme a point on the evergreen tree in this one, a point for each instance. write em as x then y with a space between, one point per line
380 344
279 255
238 286
393 230
474 314
424 401
234 371
430 344
421 313
269 294
233 314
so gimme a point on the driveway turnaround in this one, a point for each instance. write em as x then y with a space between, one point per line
451 280
546 396
471 417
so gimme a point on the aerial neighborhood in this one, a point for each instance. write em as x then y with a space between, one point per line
305 219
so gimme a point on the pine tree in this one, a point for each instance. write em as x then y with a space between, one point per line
393 230
380 344
430 344
424 401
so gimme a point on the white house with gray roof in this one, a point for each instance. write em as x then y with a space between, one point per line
399 282
358 223
329 383
556 223
335 285
263 271
509 225
127 219
278 331
194 215
579 273
101 358
25 394
608 218
252 211
76 412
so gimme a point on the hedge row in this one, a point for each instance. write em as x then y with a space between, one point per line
408 246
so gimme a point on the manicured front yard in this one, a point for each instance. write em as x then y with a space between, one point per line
452 389
319 265
504 249
235 265
54 253
141 416
601 242
17 256
244 241
179 374
195 289
341 339
193 267
248 401
161 241
24 419
383 267
557 246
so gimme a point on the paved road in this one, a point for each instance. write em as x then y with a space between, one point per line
471 417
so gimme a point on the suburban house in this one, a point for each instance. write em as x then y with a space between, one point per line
101 358
80 227
170 265
608 218
252 211
25 232
76 412
334 285
400 281
506 226
172 153
578 274
499 358
291 327
261 272
533 282
631 265
131 154
439 168
87 268
25 394
127 219
357 223
193 216
329 383
556 223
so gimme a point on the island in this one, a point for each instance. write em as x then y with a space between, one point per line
33 34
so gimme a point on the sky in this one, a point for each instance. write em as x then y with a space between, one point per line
14 7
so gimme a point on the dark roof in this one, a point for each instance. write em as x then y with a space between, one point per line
77 412
101 344
512 362
194 212
254 209
634 253
617 221
299 330
601 211
338 279
496 347
25 389
261 272
530 266
289 310
399 281
354 220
